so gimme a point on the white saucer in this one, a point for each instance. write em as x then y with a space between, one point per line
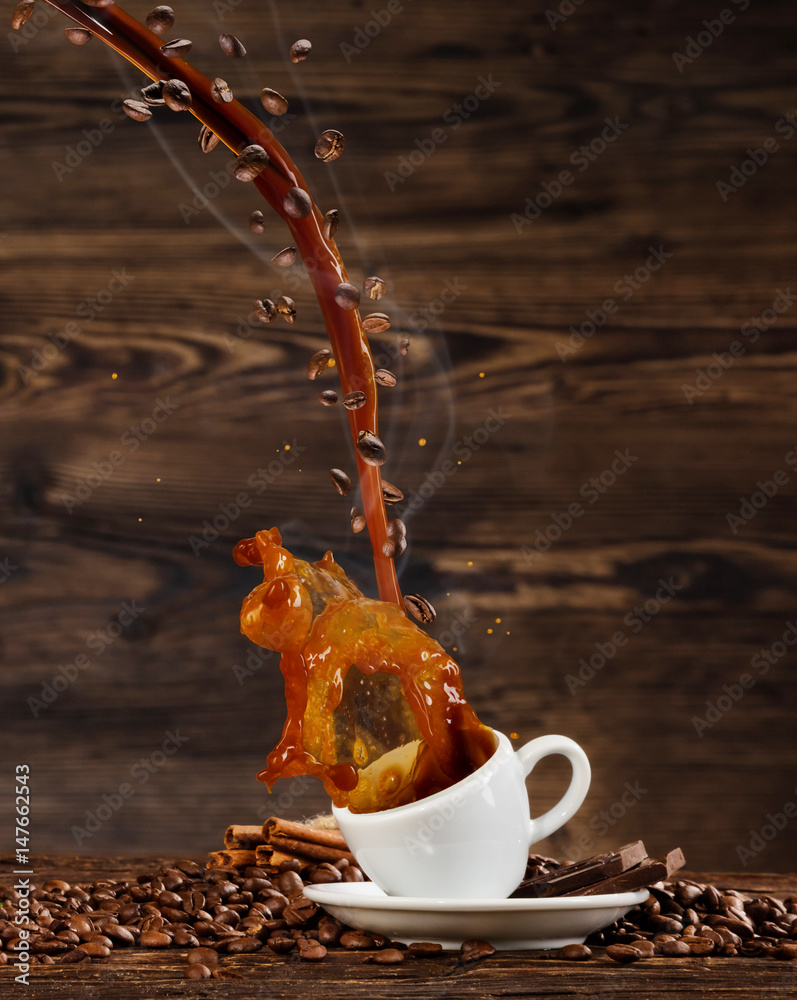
505 923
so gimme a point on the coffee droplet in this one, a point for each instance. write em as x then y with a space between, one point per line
420 608
391 493
160 19
273 101
330 224
297 203
357 520
370 448
265 310
285 257
153 94
328 397
220 91
340 481
21 14
354 400
137 110
177 48
257 222
300 50
385 377
374 287
376 323
207 139
78 36
286 308
318 363
250 163
232 46
347 296
404 346
330 145
177 95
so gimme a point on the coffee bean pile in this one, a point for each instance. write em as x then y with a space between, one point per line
210 912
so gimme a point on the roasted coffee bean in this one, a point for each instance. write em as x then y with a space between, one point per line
285 258
786 951
220 91
389 956
404 346
281 943
299 911
329 930
244 946
665 925
177 48
286 307
624 953
96 949
273 102
673 949
78 36
424 949
207 139
297 203
265 310
574 953
318 363
55 946
152 922
310 950
119 933
699 945
300 50
644 947
420 608
330 145
353 873
347 296
374 287
340 481
475 949
289 882
389 548
385 377
251 162
197 971
66 935
232 46
328 397
160 19
177 95
356 940
370 448
81 924
396 528
376 323
153 94
21 14
257 223
354 400
330 223
167 898
76 955
390 493
154 939
136 110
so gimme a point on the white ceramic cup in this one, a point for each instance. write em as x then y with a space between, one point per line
471 840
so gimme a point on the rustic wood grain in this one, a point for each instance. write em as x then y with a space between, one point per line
171 334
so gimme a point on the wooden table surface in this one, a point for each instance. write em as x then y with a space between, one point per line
172 334
138 972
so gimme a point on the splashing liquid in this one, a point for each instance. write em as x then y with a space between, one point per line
375 706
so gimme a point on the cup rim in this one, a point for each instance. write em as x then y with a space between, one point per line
501 741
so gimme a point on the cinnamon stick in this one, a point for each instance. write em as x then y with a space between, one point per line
243 837
269 857
231 859
307 849
275 827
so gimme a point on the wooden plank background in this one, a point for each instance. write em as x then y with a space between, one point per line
173 334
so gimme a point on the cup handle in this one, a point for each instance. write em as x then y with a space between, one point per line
533 752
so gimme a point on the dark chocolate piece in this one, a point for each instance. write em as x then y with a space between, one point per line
576 877
644 874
